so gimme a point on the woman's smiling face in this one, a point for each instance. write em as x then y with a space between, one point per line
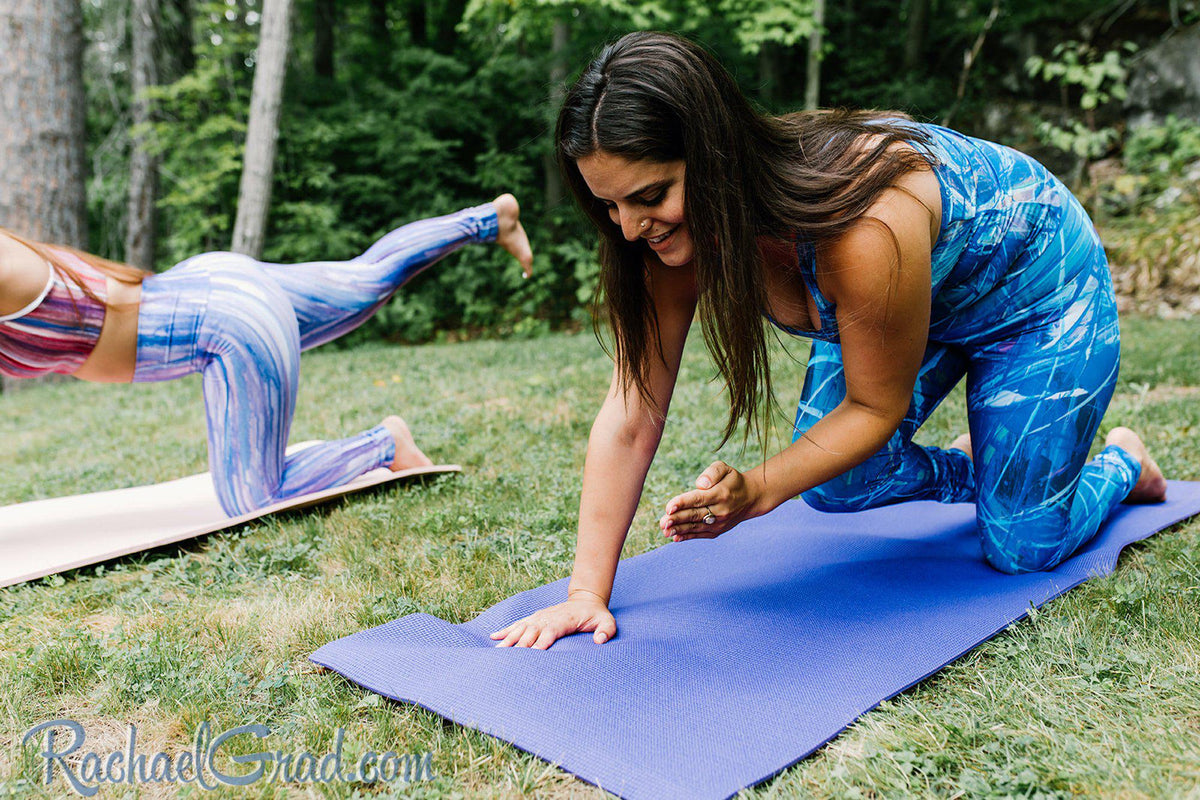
644 199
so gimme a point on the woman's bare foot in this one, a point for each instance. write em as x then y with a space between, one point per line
408 455
1151 486
963 443
511 235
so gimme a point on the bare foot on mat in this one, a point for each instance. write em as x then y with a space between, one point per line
1151 486
408 455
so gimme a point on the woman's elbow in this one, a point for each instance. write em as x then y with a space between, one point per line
631 432
882 420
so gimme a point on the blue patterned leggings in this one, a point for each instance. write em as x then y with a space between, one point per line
1035 398
242 324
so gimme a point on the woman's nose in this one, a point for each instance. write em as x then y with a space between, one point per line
630 225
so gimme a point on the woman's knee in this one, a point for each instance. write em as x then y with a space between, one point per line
838 496
1015 547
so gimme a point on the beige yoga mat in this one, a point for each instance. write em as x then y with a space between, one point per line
43 537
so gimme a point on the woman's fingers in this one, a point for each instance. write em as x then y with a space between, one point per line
516 633
510 634
605 630
693 532
708 492
546 638
540 630
531 634
692 501
713 475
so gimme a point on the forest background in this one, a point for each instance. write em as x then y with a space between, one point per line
394 110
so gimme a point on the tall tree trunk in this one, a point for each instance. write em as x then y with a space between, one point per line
768 72
324 37
554 190
914 41
969 57
178 49
42 128
379 18
140 235
42 133
812 86
381 36
416 14
254 192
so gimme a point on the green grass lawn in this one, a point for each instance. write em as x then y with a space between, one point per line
1097 695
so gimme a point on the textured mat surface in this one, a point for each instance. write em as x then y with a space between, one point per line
43 537
735 657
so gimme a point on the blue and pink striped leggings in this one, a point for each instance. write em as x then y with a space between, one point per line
242 324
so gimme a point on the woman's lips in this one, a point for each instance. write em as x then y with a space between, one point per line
660 241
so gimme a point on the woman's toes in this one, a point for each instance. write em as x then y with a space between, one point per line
408 455
1151 486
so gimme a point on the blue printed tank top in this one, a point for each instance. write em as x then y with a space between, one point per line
1000 210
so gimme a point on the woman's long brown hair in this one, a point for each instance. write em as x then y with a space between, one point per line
113 269
804 177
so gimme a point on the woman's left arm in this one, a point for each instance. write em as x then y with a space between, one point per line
878 274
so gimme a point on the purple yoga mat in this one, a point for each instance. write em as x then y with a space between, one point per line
735 657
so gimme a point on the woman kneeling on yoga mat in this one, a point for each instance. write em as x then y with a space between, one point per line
240 323
912 256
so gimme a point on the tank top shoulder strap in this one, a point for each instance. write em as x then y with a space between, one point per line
806 263
36 302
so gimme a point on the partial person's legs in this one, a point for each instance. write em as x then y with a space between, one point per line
900 470
221 315
332 298
1034 404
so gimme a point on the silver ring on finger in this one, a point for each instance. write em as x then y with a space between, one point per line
709 518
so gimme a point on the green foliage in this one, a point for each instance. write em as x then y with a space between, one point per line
1095 79
107 90
1160 172
761 22
529 21
1149 212
1100 77
1163 151
201 133
442 104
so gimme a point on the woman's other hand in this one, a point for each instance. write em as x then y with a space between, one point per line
723 498
583 611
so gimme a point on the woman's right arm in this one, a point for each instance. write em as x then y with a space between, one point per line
622 444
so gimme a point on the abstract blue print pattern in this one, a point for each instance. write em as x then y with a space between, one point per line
1022 306
242 324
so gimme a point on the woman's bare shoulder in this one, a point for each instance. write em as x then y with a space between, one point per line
894 237
23 275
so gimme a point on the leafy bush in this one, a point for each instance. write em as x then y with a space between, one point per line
1164 153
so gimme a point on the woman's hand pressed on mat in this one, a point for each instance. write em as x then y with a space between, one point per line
583 611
